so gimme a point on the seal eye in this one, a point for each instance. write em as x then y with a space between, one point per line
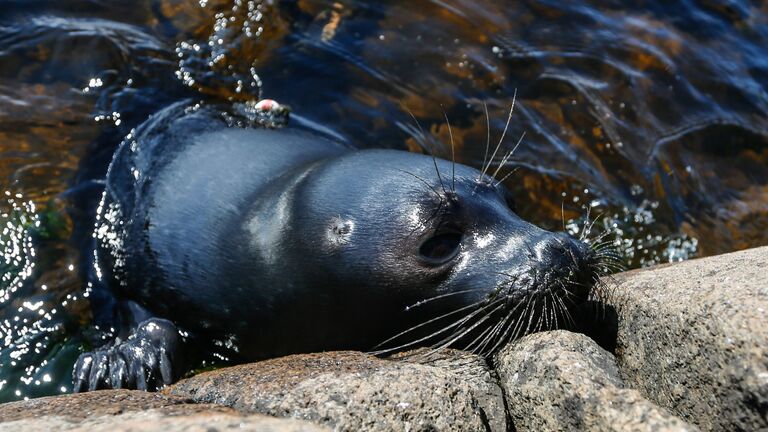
441 247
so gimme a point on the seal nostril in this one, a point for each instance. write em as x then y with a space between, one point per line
551 251
561 254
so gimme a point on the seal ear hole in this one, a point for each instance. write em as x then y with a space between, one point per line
441 247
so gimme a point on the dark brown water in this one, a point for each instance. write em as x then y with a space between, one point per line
652 114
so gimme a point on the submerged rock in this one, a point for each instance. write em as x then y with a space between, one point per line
126 410
351 391
693 337
564 381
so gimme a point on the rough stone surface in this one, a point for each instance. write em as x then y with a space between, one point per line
124 410
85 405
347 391
474 370
564 381
161 421
693 337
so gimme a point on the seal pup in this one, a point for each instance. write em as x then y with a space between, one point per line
278 241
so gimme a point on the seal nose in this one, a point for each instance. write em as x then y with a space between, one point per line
560 253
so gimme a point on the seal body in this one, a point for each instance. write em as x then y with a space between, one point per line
277 241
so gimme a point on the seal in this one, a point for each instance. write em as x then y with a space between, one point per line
277 241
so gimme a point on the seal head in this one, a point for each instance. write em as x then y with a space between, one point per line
399 246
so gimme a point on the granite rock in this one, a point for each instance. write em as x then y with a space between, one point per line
563 381
350 391
125 410
693 337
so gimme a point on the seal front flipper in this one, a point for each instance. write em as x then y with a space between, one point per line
149 359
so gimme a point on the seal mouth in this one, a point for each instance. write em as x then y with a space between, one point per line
531 300
567 283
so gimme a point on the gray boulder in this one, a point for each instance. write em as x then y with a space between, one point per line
475 371
352 391
124 410
693 337
563 381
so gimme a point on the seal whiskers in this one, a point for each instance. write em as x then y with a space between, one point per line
459 333
487 137
489 333
431 148
437 297
503 133
563 309
451 339
483 336
509 174
458 324
416 327
453 151
501 324
508 155
540 311
514 326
